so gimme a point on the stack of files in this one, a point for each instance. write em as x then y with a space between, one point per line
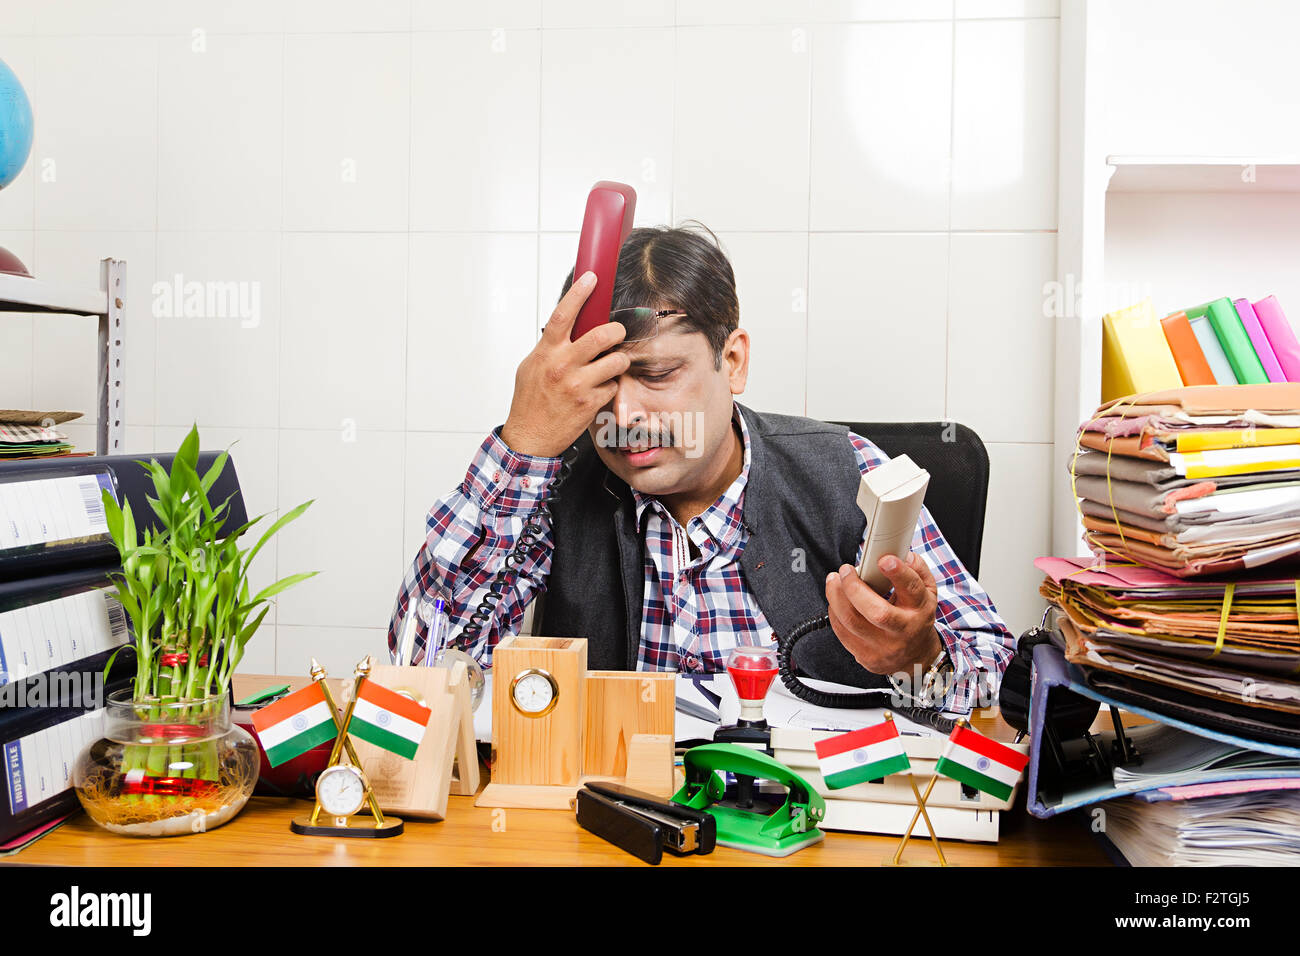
1223 342
958 812
1154 639
29 434
1177 747
1209 825
1194 480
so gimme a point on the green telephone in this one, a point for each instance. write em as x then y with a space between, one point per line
741 823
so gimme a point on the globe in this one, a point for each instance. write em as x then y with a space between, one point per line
15 126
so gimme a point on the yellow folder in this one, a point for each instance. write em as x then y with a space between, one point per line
1135 356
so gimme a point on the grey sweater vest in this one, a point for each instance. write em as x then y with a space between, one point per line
800 511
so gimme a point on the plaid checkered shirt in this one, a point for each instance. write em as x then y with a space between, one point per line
696 606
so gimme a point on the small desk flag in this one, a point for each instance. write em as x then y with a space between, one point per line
979 762
388 720
295 724
861 755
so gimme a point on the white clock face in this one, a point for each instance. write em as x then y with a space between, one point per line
340 791
533 693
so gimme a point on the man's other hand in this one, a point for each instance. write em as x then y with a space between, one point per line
886 635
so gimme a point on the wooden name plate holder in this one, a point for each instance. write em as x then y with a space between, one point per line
555 725
446 761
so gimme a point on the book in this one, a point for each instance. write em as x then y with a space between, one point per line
1215 357
1259 340
1231 334
1186 350
1281 337
1135 356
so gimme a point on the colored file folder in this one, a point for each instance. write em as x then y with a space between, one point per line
1135 356
1259 340
1281 336
1232 336
1215 357
1187 352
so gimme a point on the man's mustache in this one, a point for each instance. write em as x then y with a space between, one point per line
638 436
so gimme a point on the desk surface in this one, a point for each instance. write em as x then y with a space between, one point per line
473 836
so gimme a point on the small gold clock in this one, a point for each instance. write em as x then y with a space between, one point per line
534 692
341 790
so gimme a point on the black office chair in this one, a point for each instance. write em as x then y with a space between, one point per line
959 476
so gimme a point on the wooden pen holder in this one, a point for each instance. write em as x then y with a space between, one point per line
447 759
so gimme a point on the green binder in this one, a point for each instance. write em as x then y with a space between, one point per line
1235 341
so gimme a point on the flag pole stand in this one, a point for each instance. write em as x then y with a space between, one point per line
920 812
342 826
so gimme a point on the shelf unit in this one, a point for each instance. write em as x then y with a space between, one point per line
1180 226
1182 230
24 294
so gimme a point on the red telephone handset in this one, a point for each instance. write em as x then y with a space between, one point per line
605 226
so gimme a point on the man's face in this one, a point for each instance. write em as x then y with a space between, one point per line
670 420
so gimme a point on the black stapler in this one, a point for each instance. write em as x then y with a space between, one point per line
642 824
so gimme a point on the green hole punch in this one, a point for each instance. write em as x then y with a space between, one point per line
743 822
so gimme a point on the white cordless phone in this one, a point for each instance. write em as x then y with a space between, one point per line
891 496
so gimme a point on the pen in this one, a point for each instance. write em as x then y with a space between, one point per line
435 615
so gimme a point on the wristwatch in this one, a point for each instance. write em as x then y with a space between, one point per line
942 663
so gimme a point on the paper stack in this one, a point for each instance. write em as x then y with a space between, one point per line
29 434
1194 480
1260 828
1165 644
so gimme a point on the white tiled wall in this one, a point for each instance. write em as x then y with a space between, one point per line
394 189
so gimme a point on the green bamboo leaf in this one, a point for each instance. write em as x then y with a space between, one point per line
162 486
188 453
283 520
129 538
112 516
212 474
251 629
283 584
112 657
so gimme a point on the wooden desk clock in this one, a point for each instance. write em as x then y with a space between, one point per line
556 725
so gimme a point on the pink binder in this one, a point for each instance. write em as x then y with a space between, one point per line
1259 339
1280 336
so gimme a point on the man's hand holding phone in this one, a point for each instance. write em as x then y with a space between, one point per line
561 385
886 635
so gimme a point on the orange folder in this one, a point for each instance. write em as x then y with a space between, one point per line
1187 351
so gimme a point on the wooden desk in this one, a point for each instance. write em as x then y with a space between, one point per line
472 836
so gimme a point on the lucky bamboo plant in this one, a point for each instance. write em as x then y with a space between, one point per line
185 584
170 760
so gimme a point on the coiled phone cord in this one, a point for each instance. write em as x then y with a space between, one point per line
819 698
518 555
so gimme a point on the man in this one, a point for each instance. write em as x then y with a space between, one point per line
685 524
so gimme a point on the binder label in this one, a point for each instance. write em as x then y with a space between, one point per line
52 510
39 637
38 766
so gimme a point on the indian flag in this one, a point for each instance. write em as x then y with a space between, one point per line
861 755
387 719
295 724
979 762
